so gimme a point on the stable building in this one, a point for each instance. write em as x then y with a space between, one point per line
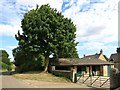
95 65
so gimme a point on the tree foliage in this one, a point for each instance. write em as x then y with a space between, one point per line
4 60
48 32
118 50
26 61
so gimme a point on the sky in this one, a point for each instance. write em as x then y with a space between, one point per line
96 23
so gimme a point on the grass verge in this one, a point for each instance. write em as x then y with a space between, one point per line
41 76
3 70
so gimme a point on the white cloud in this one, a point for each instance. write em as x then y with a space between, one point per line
11 47
12 15
105 15
54 4
2 49
97 27
8 30
95 45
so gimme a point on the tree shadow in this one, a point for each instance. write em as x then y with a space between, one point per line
7 73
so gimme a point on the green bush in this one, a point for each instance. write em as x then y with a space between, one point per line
9 68
5 66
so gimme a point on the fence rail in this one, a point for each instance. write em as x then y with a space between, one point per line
98 81
86 79
104 82
95 80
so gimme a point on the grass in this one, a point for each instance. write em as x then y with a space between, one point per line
41 76
13 66
3 70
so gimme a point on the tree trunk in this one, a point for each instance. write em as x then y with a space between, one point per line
46 64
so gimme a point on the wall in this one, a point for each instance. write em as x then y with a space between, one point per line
63 73
101 70
112 66
102 57
87 69
97 70
114 78
71 73
105 70
117 65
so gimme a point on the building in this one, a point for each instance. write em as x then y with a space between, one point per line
114 58
94 65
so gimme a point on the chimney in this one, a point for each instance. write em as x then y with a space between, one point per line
84 55
101 51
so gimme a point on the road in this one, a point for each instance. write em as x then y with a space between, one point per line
11 82
8 81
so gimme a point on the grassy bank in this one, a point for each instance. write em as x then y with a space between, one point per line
41 76
3 70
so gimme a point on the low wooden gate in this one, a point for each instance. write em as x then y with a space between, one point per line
94 81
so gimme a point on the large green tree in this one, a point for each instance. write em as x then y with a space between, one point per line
47 31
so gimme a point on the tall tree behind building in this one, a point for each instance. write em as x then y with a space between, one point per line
47 31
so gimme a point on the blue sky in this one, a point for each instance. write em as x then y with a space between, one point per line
96 22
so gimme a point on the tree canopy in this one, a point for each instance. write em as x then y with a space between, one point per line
47 32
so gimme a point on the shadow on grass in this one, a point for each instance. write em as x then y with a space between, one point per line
7 72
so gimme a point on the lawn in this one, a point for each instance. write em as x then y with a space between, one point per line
41 76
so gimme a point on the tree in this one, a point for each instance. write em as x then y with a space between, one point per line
118 50
47 31
4 60
25 61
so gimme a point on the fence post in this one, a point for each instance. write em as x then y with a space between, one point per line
74 76
100 80
83 77
90 79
